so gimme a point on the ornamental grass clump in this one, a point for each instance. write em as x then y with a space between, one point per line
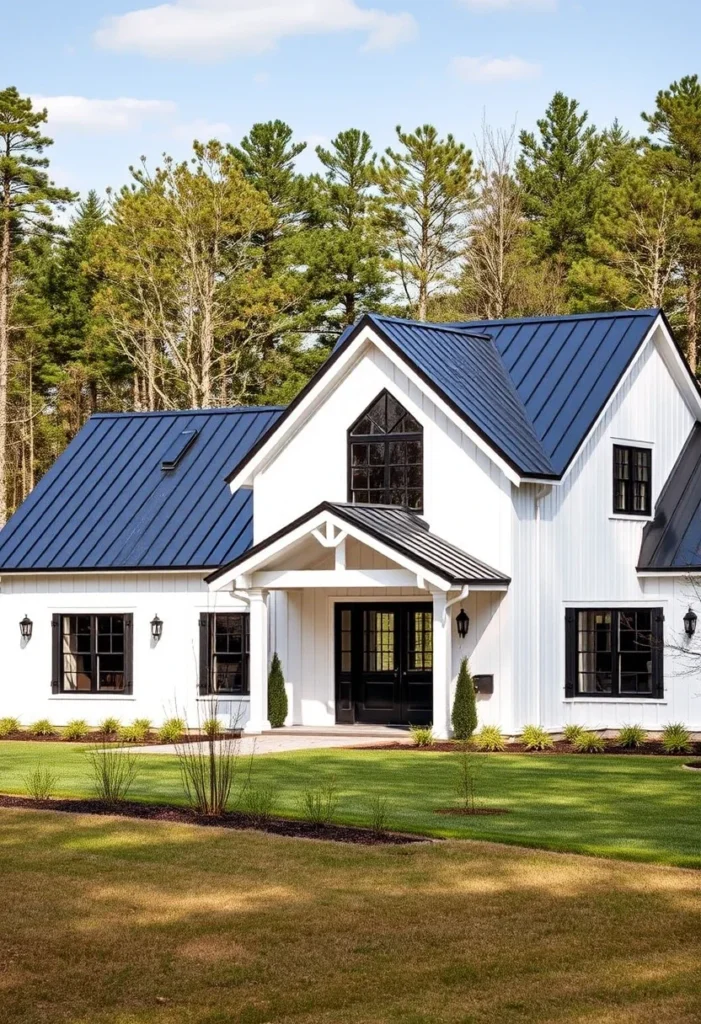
464 717
172 730
422 735
114 772
631 737
41 783
277 695
534 737
258 802
42 727
76 729
676 739
211 726
572 732
319 804
490 738
208 769
109 726
590 743
379 813
8 726
136 732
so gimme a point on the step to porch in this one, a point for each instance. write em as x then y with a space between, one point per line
383 732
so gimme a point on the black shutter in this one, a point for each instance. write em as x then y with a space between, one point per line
128 653
570 651
658 653
55 653
205 653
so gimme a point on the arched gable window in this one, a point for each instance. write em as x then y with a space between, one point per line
385 456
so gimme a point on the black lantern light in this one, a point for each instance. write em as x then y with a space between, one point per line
156 628
690 622
462 621
25 628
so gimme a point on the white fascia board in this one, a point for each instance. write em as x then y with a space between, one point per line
666 574
326 383
259 560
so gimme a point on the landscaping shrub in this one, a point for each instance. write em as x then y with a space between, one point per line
77 729
572 732
464 717
136 732
490 738
42 727
109 726
631 736
590 743
258 802
172 730
319 804
113 771
422 735
676 739
277 695
40 783
379 813
8 726
466 777
211 727
142 726
208 769
534 737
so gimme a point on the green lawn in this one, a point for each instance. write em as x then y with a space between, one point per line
636 808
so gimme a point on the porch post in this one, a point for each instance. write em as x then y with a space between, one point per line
258 663
442 667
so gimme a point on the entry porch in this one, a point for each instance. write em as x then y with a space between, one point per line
370 614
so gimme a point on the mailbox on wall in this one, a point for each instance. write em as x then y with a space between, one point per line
484 685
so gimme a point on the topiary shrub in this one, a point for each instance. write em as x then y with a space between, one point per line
534 737
172 730
277 697
676 739
464 717
42 727
572 732
8 726
77 729
489 738
631 736
590 743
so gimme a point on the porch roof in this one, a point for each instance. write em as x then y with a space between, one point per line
396 528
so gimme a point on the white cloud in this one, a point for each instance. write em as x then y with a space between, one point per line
487 6
211 29
493 69
201 129
85 114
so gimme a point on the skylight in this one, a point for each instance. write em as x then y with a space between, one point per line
182 443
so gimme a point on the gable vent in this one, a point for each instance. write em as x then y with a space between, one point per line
182 443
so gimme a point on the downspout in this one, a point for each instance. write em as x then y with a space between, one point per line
462 596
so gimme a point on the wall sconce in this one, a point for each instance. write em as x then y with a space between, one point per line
462 621
690 620
156 628
25 628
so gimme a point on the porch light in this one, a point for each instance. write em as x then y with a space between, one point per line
25 627
462 621
690 620
156 628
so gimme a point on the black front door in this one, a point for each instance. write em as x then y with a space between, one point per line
384 663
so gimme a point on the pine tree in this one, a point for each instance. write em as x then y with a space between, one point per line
26 198
277 695
464 716
428 189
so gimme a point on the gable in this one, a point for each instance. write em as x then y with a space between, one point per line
140 491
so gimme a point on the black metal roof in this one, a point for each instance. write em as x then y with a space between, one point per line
403 531
140 491
672 541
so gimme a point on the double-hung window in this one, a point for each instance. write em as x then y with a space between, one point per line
224 654
632 476
614 652
92 654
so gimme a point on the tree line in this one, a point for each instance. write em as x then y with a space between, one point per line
226 278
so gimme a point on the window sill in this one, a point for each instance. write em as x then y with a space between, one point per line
630 518
225 697
92 696
614 700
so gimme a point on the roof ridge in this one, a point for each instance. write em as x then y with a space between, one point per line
560 317
432 324
218 410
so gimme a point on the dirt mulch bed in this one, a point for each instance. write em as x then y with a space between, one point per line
231 819
151 740
468 813
695 766
561 747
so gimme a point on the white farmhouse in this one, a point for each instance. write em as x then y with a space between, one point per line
524 493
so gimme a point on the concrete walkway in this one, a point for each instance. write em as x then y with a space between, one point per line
297 737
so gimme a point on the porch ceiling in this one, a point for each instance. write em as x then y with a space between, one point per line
395 532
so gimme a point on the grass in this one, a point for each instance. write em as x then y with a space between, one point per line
107 921
639 808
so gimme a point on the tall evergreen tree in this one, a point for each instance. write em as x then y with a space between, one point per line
26 198
557 171
429 189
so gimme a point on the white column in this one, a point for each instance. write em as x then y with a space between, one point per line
442 667
258 663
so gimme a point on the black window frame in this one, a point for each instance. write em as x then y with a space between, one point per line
386 440
656 650
208 654
57 654
629 483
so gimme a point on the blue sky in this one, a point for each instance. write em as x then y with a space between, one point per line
123 78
